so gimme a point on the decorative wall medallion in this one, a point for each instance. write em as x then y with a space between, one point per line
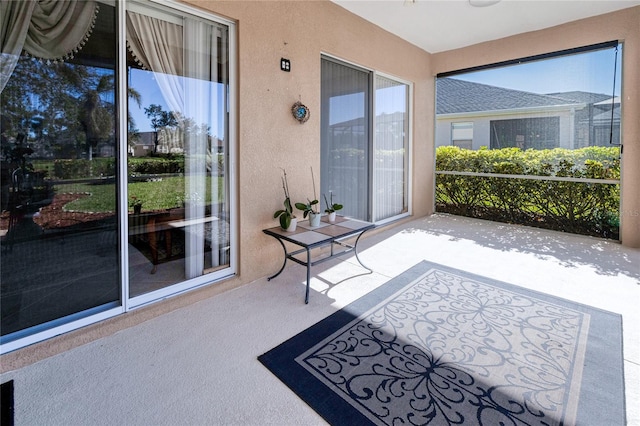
300 112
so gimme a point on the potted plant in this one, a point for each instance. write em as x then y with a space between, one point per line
332 207
288 220
136 204
311 207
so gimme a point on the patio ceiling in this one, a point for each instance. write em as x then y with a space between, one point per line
440 25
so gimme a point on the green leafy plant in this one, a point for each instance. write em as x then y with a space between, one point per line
285 215
569 205
331 206
309 207
135 203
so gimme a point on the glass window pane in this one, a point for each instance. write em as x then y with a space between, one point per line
391 140
178 186
59 148
345 139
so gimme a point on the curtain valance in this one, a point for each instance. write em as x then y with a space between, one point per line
45 29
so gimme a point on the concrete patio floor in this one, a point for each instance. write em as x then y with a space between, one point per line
198 365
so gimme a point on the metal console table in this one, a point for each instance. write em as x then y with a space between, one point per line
309 238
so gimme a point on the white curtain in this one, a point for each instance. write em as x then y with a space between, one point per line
158 45
198 67
46 29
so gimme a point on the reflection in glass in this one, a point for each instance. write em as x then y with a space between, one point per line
58 226
391 140
178 132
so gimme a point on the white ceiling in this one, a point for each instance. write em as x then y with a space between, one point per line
439 25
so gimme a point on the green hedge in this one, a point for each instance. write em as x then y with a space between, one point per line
577 207
79 169
156 165
102 167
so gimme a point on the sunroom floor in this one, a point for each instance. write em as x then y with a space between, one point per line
198 364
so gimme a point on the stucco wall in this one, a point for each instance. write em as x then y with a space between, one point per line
269 137
624 26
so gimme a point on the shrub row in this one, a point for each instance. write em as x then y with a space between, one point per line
103 167
78 169
155 165
577 207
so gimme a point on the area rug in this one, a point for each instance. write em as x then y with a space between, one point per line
439 346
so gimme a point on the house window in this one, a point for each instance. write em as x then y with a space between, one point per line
76 214
364 141
526 133
462 134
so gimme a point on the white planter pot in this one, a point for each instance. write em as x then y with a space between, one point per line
314 219
332 217
292 225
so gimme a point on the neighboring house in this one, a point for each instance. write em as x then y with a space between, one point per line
170 141
142 145
472 115
595 126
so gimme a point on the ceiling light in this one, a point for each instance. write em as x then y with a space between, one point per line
483 3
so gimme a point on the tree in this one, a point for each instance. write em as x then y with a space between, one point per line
59 106
159 119
96 115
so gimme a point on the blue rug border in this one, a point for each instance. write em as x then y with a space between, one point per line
597 405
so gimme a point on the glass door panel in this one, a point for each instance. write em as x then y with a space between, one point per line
178 187
390 149
58 226
364 162
345 123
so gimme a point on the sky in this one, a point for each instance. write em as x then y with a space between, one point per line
588 72
145 84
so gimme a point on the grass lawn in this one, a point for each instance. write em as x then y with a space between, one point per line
158 194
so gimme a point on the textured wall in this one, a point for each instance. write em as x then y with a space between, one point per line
269 137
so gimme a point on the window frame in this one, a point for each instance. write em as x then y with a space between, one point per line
370 105
135 302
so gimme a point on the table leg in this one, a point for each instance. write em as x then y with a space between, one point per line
306 296
284 249
355 251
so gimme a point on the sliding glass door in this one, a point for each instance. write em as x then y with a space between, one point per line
58 228
178 183
345 127
116 186
365 141
390 148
